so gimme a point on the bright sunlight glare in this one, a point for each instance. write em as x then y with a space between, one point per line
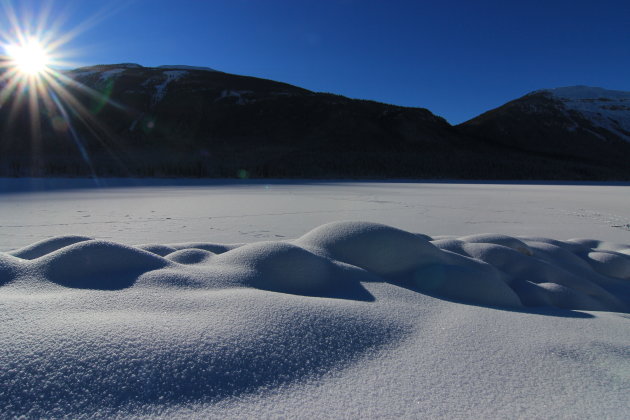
29 58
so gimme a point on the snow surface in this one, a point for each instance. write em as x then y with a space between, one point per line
609 109
133 211
343 320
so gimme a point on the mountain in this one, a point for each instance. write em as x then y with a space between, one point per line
176 120
587 127
182 121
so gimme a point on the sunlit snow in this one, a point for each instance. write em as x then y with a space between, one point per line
313 300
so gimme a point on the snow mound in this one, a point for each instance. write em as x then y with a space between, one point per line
337 259
503 240
610 263
9 267
47 246
283 267
95 356
465 280
97 329
97 265
190 256
383 250
161 250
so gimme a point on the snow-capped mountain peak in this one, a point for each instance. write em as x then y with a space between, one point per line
587 93
603 108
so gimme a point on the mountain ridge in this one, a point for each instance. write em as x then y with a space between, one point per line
575 122
177 120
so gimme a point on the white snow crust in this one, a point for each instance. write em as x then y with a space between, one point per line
350 319
608 109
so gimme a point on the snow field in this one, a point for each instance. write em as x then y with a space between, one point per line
349 320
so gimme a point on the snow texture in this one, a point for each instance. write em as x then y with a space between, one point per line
352 319
608 109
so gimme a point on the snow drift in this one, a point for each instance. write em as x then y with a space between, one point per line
93 328
334 259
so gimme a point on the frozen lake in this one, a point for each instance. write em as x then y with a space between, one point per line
232 211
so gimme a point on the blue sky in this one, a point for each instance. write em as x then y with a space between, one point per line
456 58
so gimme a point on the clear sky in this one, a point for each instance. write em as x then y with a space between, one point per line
456 58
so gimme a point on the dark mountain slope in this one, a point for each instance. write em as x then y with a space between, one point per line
581 126
129 120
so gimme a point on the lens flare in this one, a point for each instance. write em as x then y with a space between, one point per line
39 97
30 58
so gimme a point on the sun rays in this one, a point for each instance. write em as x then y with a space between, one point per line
30 59
34 50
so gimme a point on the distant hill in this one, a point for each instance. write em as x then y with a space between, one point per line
586 127
176 120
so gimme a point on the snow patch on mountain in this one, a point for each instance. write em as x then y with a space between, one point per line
79 74
160 89
106 75
105 72
608 109
588 93
238 94
184 67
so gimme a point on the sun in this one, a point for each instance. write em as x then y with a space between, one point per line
29 58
